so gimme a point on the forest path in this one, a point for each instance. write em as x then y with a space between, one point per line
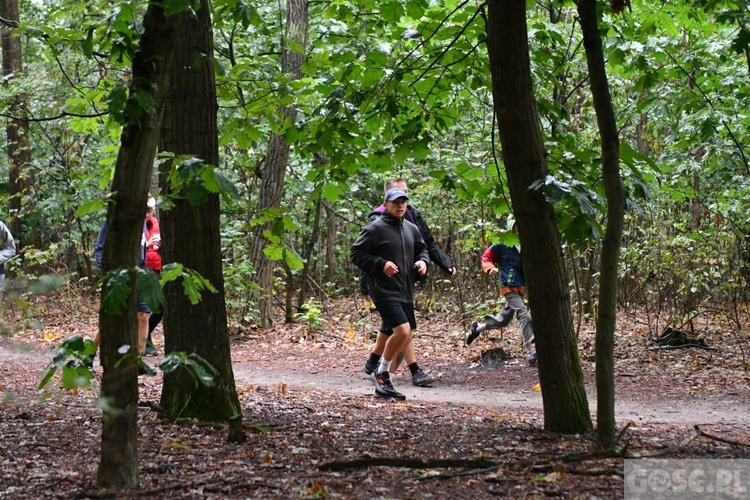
642 397
696 410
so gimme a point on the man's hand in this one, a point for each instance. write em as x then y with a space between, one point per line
492 272
421 267
452 271
389 269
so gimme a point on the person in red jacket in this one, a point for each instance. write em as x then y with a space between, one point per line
152 260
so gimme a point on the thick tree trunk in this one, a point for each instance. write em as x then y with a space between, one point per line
118 466
563 393
606 319
274 168
17 132
191 233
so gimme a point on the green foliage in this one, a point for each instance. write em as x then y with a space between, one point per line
312 313
150 288
75 358
582 206
202 372
117 286
397 89
196 180
192 282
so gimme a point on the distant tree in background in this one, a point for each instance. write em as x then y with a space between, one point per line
21 180
273 169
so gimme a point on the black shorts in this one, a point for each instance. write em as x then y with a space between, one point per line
394 313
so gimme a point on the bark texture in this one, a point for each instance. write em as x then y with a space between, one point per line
17 132
191 233
274 168
563 393
118 466
605 323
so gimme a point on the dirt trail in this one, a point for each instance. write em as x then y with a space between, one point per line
461 390
696 411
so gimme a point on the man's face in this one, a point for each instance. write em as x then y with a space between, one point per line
397 207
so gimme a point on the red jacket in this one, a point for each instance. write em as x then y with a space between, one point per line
153 252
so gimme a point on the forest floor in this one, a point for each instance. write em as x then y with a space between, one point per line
315 430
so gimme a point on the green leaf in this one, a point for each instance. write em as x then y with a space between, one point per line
172 7
292 260
117 288
171 272
216 181
74 356
171 362
199 372
274 252
75 377
89 207
116 102
150 288
391 11
415 8
88 44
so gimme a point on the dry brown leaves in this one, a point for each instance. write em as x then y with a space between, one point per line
296 434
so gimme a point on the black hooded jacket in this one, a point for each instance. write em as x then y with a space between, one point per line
437 256
389 238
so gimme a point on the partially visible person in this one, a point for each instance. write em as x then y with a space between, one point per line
505 262
7 250
418 376
152 259
388 251
143 311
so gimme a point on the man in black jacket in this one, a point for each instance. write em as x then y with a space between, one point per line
387 251
437 256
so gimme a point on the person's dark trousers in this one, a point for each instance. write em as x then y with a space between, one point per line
153 321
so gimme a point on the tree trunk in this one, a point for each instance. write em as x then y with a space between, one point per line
330 243
277 157
308 257
118 466
587 265
606 319
191 233
17 132
563 393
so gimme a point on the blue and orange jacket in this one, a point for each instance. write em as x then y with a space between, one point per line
508 261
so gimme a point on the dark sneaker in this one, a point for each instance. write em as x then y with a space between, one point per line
384 388
150 350
473 333
421 379
532 358
370 367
